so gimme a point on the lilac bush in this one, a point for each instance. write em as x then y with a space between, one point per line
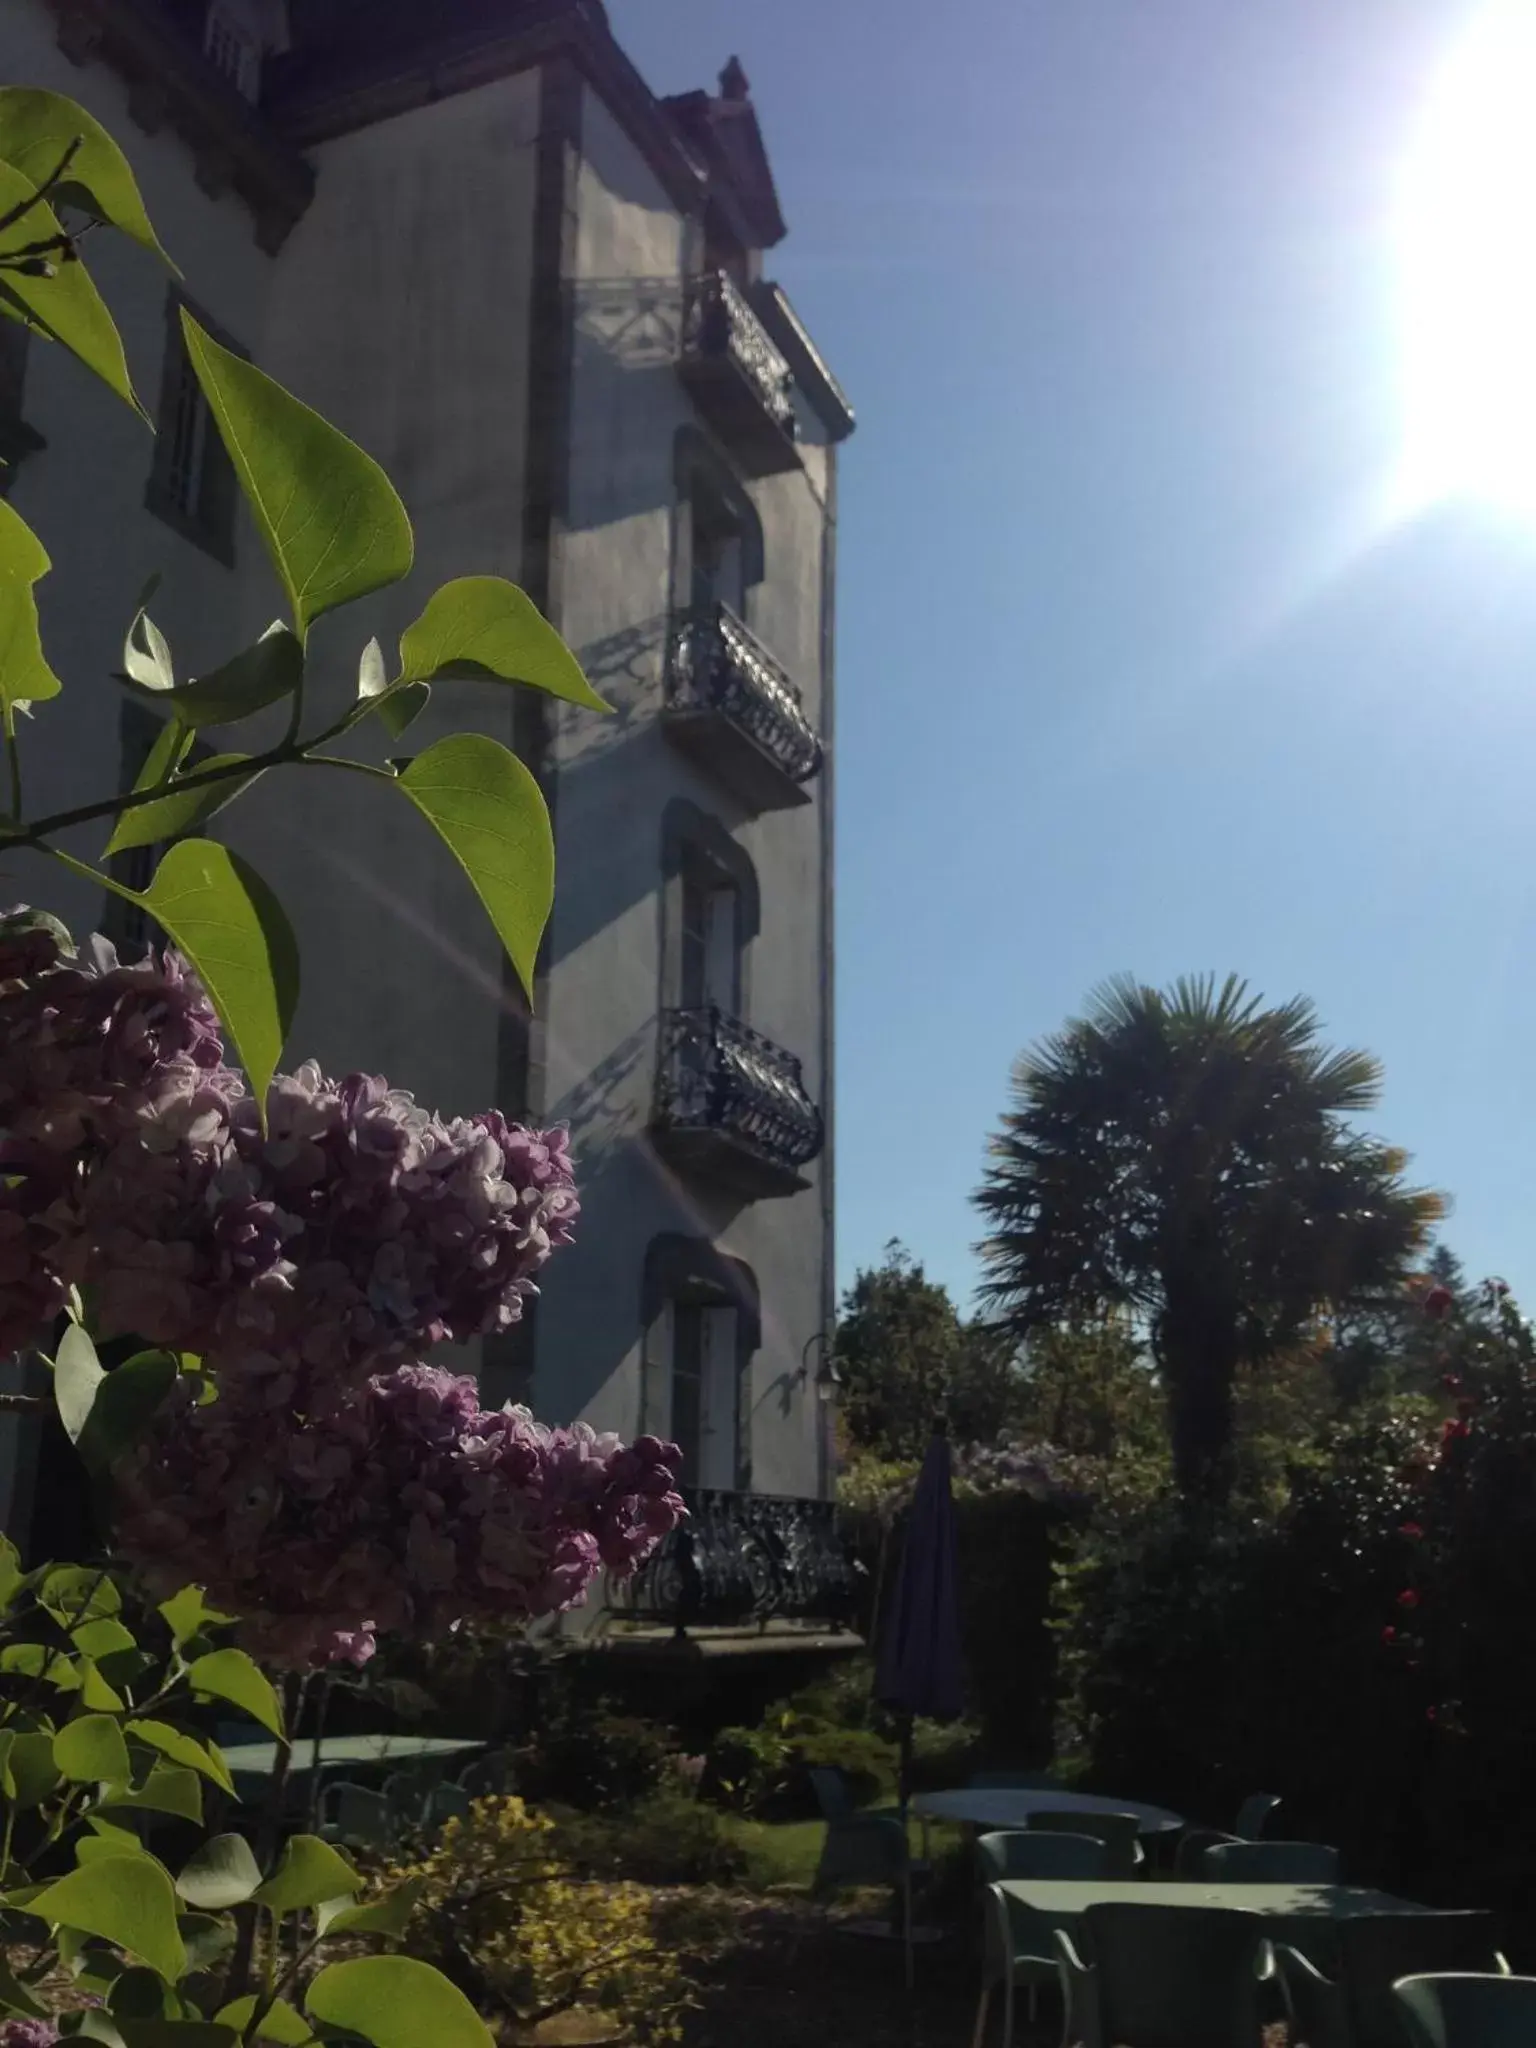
335 1485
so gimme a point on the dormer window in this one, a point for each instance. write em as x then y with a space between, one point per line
232 48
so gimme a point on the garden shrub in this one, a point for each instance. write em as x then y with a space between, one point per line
597 1759
500 1914
764 1771
668 1838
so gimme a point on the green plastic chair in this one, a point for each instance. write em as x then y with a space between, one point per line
1193 1844
1030 1852
446 1802
358 1815
486 1776
1016 1947
1271 1863
1253 1814
406 1797
1459 2010
862 1848
1118 1832
1355 2007
1165 1977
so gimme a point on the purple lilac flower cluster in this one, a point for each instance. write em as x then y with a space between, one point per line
405 1505
28 2034
336 1486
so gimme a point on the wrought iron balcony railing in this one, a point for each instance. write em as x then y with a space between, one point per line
743 1557
740 380
731 1104
730 704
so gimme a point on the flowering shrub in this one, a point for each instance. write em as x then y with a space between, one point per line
316 1497
501 1913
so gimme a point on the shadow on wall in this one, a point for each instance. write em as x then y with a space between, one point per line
591 1296
629 400
610 837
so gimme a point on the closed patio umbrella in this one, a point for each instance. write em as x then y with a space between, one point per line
917 1659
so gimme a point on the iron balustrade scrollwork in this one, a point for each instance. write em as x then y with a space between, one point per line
719 324
716 664
746 1557
717 1074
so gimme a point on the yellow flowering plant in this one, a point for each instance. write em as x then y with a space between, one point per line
500 1914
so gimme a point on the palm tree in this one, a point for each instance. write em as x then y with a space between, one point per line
1189 1157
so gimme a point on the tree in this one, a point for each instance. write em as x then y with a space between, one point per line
904 1356
1189 1157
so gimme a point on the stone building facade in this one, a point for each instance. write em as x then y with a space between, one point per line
473 237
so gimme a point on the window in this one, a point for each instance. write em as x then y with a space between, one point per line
192 483
702 1325
711 912
711 945
718 556
705 1392
232 48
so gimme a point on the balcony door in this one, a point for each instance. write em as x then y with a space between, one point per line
710 944
705 1376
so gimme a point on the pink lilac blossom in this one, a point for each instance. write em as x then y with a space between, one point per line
405 1506
334 1486
28 2034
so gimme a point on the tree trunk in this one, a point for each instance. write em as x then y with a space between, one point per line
1198 1354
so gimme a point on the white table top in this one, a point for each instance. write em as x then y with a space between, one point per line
1065 1898
1011 1807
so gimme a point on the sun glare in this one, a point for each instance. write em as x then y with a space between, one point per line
1468 271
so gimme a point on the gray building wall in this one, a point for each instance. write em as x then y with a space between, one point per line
403 306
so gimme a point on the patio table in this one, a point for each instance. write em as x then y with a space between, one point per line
1011 1807
1301 1914
255 1759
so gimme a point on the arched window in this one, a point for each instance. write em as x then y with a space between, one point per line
712 910
702 1324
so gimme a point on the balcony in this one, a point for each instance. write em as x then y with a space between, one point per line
731 1106
740 382
745 1557
733 709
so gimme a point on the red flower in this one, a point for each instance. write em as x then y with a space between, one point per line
1408 1598
1451 1381
1454 1428
1411 1529
1389 1635
1438 1303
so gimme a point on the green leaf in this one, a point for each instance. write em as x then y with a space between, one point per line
112 1831
230 1675
169 1788
36 128
96 1848
280 2023
31 1768
260 675
147 662
488 810
12 1577
78 1592
310 1872
128 1900
222 1874
95 1692
128 1397
91 1751
177 2034
187 1614
208 1939
25 677
328 514
396 2002
138 1994
179 811
41 1660
14 1995
102 1639
402 708
186 1749
232 928
91 2026
390 1915
77 1375
485 629
66 306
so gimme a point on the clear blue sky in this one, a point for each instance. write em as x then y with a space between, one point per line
1133 674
